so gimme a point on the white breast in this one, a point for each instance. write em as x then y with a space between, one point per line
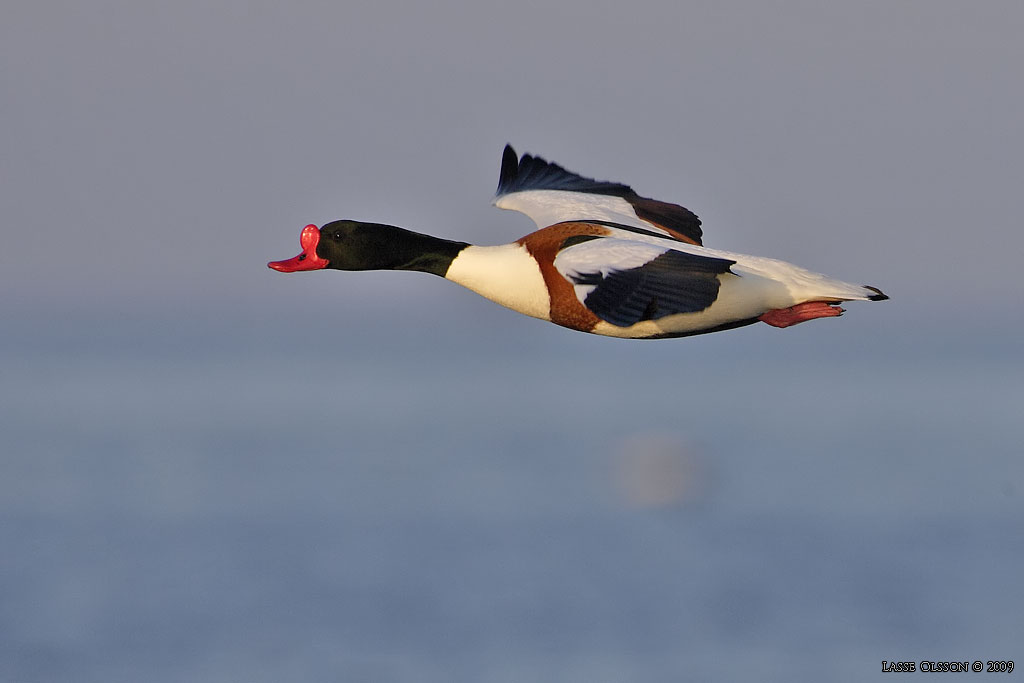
506 275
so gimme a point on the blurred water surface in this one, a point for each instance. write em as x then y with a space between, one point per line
246 500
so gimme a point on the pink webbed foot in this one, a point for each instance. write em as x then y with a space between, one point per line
784 317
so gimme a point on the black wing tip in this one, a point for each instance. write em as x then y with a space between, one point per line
535 173
530 172
878 294
509 169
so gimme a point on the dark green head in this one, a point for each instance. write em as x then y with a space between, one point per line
354 245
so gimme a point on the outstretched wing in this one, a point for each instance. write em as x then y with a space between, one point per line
648 281
549 194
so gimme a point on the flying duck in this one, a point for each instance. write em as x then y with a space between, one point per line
604 260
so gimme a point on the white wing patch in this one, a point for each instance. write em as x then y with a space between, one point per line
548 207
605 256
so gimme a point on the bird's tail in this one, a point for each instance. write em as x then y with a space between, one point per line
837 290
876 294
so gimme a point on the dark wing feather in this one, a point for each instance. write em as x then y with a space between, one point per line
674 282
534 173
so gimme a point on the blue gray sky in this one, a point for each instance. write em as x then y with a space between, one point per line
156 156
380 473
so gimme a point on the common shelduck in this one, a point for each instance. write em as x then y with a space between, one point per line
605 260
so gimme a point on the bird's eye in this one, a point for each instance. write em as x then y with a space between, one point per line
337 234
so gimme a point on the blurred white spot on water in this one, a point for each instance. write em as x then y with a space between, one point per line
657 470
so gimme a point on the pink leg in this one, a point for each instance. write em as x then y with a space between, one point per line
784 317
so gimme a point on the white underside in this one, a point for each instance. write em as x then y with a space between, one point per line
757 286
739 298
510 276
